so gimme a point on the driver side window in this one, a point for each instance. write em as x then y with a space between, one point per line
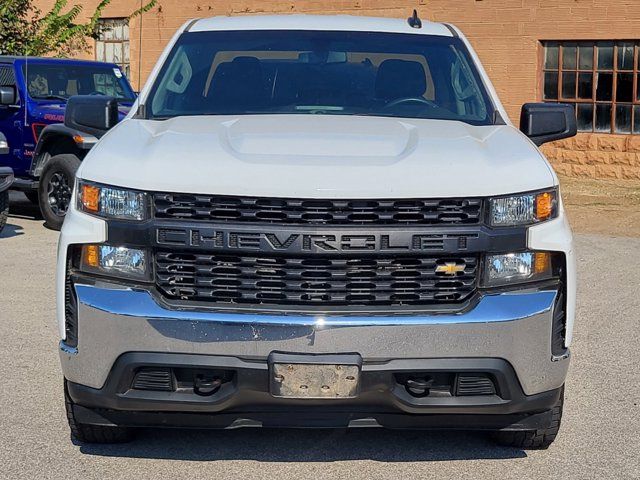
466 91
174 84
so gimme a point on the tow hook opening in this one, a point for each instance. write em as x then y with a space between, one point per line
427 384
454 384
206 385
188 381
419 387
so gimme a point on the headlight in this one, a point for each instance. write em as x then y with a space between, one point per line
111 202
131 263
526 209
514 268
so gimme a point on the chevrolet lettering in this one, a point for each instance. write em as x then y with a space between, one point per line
395 241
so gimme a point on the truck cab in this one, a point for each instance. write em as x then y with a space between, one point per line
34 94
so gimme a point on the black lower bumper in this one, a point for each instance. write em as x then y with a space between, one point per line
243 397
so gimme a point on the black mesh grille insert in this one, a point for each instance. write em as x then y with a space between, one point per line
158 379
325 212
559 325
7 76
249 279
70 311
470 385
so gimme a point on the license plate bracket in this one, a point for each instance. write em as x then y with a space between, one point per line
314 376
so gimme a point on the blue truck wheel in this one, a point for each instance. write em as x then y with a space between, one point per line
56 186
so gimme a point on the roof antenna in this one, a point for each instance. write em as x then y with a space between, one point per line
26 77
414 20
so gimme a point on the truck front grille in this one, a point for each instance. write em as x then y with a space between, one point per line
306 281
222 209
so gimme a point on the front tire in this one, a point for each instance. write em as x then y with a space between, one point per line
540 439
4 208
93 433
56 186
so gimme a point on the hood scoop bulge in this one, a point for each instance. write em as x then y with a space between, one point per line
316 136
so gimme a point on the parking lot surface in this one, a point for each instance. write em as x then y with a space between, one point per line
598 438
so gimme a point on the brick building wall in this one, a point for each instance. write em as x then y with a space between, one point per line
505 33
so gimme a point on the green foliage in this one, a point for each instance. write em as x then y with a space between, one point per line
25 30
15 27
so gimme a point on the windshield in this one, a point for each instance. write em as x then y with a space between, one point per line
320 72
59 82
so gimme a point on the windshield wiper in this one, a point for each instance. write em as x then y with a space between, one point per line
50 97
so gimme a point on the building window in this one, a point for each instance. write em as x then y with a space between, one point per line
112 44
601 79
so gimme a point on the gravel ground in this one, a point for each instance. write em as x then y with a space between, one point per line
600 427
603 207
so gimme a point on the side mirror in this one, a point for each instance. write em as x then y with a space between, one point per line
7 96
547 122
93 114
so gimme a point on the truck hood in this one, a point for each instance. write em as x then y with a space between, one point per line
317 156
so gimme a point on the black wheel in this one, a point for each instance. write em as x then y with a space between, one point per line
93 433
56 186
33 196
534 439
4 208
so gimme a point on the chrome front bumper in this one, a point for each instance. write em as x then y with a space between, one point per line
113 320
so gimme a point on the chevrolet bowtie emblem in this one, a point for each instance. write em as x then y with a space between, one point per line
450 268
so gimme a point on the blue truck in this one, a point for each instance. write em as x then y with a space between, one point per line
41 150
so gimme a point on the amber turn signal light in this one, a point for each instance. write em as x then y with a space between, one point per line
545 204
90 198
542 262
91 256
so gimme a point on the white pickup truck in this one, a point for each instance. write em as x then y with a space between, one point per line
317 221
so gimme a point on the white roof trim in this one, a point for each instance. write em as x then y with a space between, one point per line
318 22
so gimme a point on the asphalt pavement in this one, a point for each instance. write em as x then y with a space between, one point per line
599 437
